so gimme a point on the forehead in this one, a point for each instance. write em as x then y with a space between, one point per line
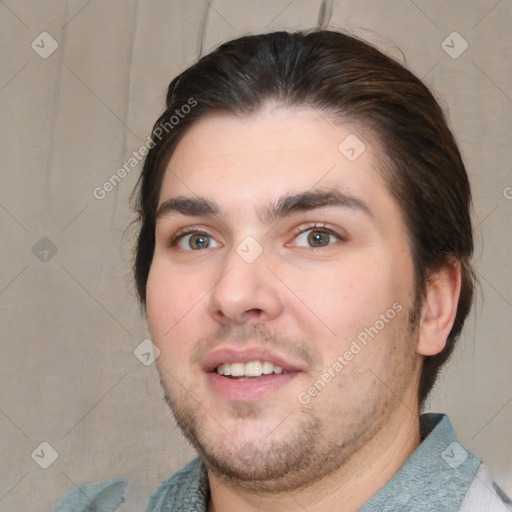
243 162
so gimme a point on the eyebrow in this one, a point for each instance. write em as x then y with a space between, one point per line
289 204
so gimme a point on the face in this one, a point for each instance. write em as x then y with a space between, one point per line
279 296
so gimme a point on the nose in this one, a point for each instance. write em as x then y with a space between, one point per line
245 291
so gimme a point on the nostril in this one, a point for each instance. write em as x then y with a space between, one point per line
254 313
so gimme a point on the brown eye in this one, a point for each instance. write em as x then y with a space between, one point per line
195 241
316 238
199 241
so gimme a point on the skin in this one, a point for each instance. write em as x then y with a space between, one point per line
307 303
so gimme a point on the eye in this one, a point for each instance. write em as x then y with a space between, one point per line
316 237
194 241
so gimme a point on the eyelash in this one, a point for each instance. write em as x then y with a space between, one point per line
187 231
296 232
315 227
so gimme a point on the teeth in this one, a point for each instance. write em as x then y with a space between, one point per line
237 369
224 369
250 369
267 368
253 369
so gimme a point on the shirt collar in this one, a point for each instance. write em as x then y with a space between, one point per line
435 477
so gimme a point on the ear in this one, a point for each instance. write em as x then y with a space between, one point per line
439 308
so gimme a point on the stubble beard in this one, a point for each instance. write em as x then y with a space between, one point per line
305 451
267 466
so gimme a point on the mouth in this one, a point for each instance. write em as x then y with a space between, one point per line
248 375
249 371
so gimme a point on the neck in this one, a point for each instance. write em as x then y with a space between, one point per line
353 484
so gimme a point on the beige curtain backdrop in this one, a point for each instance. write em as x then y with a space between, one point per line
82 82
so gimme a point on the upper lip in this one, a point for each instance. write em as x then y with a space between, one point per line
231 355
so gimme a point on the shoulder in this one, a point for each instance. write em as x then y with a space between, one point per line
186 489
105 496
485 494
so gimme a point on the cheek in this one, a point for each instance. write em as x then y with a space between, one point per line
172 302
345 296
336 304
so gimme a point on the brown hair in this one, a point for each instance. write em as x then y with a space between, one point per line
349 80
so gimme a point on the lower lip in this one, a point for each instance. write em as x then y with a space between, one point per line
248 390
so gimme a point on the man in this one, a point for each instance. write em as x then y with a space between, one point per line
304 264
